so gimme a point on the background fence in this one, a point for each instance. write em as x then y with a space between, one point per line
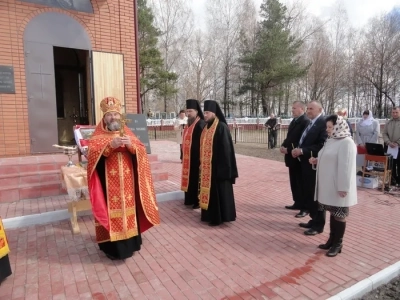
241 133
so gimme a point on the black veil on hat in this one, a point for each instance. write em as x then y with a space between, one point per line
194 104
213 106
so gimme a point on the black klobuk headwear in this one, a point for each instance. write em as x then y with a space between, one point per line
213 106
194 104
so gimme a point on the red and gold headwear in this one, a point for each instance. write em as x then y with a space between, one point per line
110 104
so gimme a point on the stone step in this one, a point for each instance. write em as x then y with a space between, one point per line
45 188
39 176
24 177
27 164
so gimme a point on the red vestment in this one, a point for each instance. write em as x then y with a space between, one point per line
115 213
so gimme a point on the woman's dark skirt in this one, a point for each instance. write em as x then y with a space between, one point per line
336 211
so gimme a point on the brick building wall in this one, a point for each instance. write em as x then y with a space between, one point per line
111 29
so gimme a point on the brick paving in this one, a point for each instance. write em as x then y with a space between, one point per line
262 255
47 204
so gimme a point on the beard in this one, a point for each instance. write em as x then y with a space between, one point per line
113 126
210 120
191 120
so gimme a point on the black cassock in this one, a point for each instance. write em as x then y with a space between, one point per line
5 268
191 196
221 207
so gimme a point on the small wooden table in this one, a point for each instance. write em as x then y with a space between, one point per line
74 180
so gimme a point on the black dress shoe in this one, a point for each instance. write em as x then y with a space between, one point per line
302 214
196 206
312 232
292 207
305 225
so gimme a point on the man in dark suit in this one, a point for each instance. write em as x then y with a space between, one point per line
295 130
311 141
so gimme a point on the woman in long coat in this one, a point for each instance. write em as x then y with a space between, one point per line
336 186
367 129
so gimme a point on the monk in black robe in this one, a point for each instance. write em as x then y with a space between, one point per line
218 170
5 267
191 152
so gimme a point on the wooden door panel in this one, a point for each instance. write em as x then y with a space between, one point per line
108 79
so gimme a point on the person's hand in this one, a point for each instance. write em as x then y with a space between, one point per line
313 160
392 145
283 150
296 152
126 140
342 194
116 142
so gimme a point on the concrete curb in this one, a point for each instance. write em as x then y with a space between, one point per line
60 215
371 283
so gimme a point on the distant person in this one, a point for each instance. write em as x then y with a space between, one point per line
391 138
368 129
343 113
336 188
191 152
179 125
218 170
295 130
272 125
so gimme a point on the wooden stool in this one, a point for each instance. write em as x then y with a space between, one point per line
385 175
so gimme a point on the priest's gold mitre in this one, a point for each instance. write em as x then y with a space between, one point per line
110 104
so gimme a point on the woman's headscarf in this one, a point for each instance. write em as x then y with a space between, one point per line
368 121
340 129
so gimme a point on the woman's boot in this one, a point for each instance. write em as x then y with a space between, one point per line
336 248
328 244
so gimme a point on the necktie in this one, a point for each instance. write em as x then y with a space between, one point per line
305 133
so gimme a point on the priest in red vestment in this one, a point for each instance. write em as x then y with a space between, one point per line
120 185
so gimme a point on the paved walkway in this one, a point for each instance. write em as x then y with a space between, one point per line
262 255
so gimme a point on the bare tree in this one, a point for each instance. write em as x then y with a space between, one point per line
226 22
379 64
197 79
174 18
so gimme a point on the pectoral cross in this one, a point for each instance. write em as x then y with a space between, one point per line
122 123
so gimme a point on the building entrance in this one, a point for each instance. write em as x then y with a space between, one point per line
72 105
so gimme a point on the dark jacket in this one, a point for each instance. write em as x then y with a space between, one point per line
351 129
295 131
314 140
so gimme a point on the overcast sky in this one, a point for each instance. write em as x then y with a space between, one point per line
359 11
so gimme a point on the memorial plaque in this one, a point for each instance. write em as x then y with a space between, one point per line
138 125
78 5
7 83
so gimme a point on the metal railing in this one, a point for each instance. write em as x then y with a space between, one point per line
241 133
242 121
161 132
